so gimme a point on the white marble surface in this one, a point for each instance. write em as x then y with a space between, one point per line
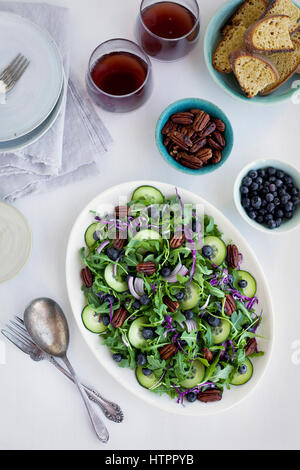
38 408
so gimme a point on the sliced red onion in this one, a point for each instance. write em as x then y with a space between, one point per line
206 304
125 341
180 269
131 288
139 286
158 382
115 267
190 325
102 245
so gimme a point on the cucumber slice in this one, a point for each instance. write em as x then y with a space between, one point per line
89 234
192 296
220 333
91 321
148 194
147 234
196 377
250 289
219 249
240 379
147 381
135 336
115 282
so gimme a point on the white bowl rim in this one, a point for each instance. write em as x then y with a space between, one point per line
149 399
252 165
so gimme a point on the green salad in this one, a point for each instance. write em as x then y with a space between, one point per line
168 297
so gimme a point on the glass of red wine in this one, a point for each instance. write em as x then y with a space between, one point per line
119 77
168 30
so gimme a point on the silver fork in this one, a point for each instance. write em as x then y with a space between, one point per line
13 72
16 332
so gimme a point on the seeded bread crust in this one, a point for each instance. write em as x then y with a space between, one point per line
269 35
246 14
284 7
296 37
233 40
253 71
286 64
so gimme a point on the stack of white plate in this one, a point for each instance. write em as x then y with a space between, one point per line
33 105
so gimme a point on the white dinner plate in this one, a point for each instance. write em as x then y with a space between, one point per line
36 93
126 377
38 132
15 241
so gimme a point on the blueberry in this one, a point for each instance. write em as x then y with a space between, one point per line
268 217
279 174
285 199
276 201
259 219
288 215
213 321
259 180
272 187
256 202
279 213
242 283
191 397
136 304
165 271
117 357
262 212
243 369
271 207
272 179
144 300
287 179
244 190
271 171
189 314
289 206
294 191
112 253
147 333
252 174
281 192
278 183
245 202
269 197
207 251
278 221
252 214
141 359
179 295
96 235
261 172
105 320
272 224
254 186
247 181
146 371
296 200
183 343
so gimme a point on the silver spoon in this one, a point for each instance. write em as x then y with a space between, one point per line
47 325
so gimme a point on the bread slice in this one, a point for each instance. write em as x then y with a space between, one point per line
270 34
286 64
296 37
246 14
233 40
285 7
253 71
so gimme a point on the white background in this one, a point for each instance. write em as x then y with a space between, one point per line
39 409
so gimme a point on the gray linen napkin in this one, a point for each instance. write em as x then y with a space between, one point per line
71 148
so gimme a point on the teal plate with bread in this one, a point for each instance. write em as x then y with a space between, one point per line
288 91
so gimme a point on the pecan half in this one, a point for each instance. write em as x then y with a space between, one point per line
232 256
219 138
207 354
198 144
171 304
119 243
168 127
204 155
181 140
190 161
176 242
251 346
216 157
184 118
209 129
119 317
210 395
121 211
201 121
87 277
167 351
147 268
214 143
229 306
219 124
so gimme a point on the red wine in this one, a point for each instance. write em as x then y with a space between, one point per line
168 20
119 73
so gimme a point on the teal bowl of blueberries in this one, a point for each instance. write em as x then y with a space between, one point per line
194 136
266 194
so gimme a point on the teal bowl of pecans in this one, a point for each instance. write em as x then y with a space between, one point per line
194 136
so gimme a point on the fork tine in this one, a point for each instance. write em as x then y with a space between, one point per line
17 73
20 320
9 66
10 70
26 349
19 335
22 330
